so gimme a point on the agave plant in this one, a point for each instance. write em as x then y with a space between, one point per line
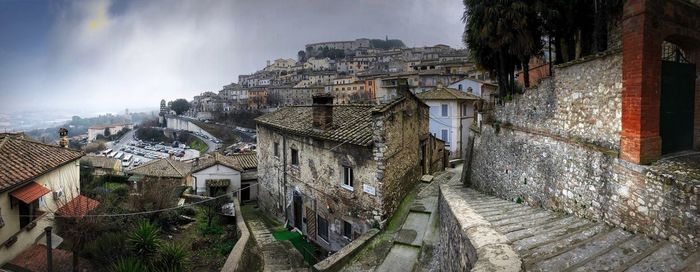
128 265
172 257
143 241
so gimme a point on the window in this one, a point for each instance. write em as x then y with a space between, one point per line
348 178
277 149
295 157
464 110
444 109
28 213
322 228
445 135
347 230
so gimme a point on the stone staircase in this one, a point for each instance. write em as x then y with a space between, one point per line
551 241
277 256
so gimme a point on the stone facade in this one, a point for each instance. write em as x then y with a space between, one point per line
384 170
557 147
582 102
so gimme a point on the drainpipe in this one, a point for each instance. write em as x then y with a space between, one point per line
284 174
49 251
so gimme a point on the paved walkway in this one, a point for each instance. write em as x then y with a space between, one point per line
412 249
277 256
551 241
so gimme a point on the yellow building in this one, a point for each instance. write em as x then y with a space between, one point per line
36 181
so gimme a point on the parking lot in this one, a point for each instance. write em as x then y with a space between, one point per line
145 151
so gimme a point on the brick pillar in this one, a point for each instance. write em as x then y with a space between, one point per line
641 79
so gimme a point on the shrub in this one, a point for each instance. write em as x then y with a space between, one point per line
172 257
144 241
108 248
128 265
225 247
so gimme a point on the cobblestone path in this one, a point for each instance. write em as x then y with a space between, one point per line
551 241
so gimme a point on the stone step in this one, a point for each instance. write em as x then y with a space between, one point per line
555 233
669 257
519 218
692 263
580 252
527 224
544 228
617 257
499 209
563 242
274 267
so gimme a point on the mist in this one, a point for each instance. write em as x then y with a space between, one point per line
108 56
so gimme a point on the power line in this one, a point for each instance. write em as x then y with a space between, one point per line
145 212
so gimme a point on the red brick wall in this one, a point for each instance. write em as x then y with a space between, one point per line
646 24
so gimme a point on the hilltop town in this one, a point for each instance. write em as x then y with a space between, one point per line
559 144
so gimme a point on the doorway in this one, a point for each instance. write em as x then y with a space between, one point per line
297 210
677 101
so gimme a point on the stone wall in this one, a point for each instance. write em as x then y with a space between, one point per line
557 147
398 132
582 101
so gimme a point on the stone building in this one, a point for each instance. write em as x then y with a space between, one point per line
335 171
611 137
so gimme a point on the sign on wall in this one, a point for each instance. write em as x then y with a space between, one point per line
369 189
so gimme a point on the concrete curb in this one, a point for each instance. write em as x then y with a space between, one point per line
493 253
337 260
235 257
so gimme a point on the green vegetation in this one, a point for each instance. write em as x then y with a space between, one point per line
197 144
572 28
180 105
222 133
386 44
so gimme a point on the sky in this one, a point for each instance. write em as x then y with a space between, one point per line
110 55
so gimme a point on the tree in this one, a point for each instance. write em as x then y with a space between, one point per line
107 132
212 207
301 55
180 105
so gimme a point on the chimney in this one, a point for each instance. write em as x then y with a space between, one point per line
402 88
63 135
322 111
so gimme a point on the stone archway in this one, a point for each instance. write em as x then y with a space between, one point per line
646 25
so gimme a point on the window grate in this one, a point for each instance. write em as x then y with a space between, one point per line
672 52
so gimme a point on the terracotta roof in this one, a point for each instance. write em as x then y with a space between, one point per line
214 159
22 159
101 161
351 123
163 168
247 160
446 94
78 206
34 259
30 192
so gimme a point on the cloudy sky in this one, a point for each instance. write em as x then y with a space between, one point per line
110 55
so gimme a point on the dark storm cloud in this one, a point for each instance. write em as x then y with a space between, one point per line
104 55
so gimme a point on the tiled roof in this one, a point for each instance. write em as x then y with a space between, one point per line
101 161
78 206
22 160
163 168
247 160
214 159
351 123
35 259
30 192
446 94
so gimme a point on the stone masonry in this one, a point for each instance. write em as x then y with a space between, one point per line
557 147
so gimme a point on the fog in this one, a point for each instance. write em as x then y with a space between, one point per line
107 56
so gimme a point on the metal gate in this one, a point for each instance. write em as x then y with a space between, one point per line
677 106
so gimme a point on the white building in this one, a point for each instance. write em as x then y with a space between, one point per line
451 114
476 87
100 130
218 174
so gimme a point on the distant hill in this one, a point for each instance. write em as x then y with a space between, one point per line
386 44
